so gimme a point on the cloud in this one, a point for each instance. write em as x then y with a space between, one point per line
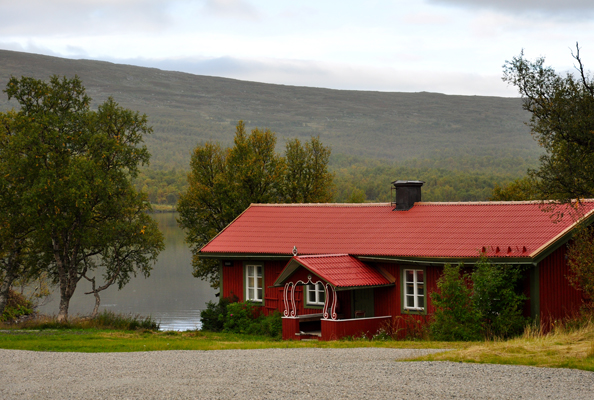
58 17
551 8
231 8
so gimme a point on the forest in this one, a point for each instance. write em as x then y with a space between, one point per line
447 176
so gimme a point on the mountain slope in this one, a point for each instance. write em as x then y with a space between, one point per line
187 109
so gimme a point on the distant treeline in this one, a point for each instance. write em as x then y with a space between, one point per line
447 176
162 186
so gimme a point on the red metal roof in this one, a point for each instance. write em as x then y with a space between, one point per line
449 230
340 270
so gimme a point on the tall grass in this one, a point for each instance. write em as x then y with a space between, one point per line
569 344
104 320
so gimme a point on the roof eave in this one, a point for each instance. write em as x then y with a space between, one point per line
245 256
542 252
438 261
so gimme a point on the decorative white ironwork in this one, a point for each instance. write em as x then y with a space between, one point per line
287 285
330 300
295 251
332 314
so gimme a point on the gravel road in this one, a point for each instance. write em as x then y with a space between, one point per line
366 373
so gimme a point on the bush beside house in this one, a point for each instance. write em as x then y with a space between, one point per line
231 316
483 304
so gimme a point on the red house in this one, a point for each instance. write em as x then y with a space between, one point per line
336 270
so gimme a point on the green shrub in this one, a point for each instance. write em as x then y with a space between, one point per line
496 299
16 306
240 317
213 317
272 325
492 308
455 316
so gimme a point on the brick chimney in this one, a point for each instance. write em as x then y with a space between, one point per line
407 193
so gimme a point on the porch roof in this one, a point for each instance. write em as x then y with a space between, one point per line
339 270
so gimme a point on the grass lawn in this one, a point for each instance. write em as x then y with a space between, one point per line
93 340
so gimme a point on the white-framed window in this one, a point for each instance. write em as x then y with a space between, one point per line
253 282
414 289
316 296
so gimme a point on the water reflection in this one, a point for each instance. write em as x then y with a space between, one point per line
171 294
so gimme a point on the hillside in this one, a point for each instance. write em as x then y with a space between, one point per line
187 109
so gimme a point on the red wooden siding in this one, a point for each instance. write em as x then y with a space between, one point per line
433 274
332 330
290 327
233 280
387 299
558 299
272 299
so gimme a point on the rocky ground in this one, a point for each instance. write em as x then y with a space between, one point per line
364 373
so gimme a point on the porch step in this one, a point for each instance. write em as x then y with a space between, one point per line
313 333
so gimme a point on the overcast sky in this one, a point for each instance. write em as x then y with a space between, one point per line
446 46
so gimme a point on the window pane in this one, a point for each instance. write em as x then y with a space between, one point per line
250 270
421 301
322 297
259 271
410 301
250 282
420 277
420 289
409 276
250 294
311 295
259 283
410 288
259 294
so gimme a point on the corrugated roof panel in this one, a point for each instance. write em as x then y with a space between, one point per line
342 270
426 230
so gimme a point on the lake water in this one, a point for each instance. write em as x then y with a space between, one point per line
170 295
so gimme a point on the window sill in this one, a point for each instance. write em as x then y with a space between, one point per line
314 306
415 311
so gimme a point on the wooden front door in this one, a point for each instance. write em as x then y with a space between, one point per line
363 303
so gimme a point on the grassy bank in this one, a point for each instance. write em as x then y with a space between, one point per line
565 347
95 341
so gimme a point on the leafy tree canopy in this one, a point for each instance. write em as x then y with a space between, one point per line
562 121
222 183
520 189
73 169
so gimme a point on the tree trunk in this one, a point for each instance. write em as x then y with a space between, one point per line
68 283
97 303
63 310
67 273
9 277
4 288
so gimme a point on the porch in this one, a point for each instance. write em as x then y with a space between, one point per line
331 280
314 326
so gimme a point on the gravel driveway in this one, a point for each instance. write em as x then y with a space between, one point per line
366 373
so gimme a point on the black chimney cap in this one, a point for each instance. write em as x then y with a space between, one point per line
400 183
407 194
